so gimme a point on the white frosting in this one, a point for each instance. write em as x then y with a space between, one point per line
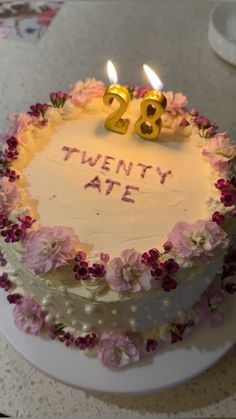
106 222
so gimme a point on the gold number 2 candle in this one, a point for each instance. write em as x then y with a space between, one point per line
114 122
153 105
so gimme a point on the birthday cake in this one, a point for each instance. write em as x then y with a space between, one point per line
110 243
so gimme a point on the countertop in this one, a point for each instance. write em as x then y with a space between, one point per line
171 36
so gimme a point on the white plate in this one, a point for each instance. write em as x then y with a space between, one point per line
222 30
173 366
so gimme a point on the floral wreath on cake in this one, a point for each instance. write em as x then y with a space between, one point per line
45 248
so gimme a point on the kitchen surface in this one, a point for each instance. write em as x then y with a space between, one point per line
77 39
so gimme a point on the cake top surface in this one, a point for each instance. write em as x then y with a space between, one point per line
110 189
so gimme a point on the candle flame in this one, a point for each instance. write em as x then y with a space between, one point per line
153 78
112 74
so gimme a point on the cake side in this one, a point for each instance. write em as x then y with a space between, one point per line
137 312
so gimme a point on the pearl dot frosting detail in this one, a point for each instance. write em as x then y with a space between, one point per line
132 323
180 314
166 301
45 302
133 309
85 327
69 311
208 279
48 318
88 308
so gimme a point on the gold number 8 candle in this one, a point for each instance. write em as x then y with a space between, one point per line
114 122
153 105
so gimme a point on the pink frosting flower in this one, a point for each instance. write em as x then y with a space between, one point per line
49 247
18 124
3 137
176 103
220 151
8 195
83 92
128 273
117 350
28 315
210 308
199 239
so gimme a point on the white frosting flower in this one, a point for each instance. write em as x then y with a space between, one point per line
70 111
96 105
167 120
69 329
41 132
214 204
53 116
196 139
185 131
134 108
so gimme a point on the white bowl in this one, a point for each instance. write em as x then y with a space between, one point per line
222 30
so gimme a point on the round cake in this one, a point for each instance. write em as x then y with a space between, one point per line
111 243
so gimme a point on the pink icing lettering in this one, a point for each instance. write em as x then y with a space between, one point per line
159 171
69 151
145 167
163 175
92 161
106 163
127 168
95 183
126 195
110 186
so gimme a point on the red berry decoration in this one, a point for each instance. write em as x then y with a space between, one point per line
151 345
218 218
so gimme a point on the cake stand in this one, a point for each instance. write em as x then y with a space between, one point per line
172 366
